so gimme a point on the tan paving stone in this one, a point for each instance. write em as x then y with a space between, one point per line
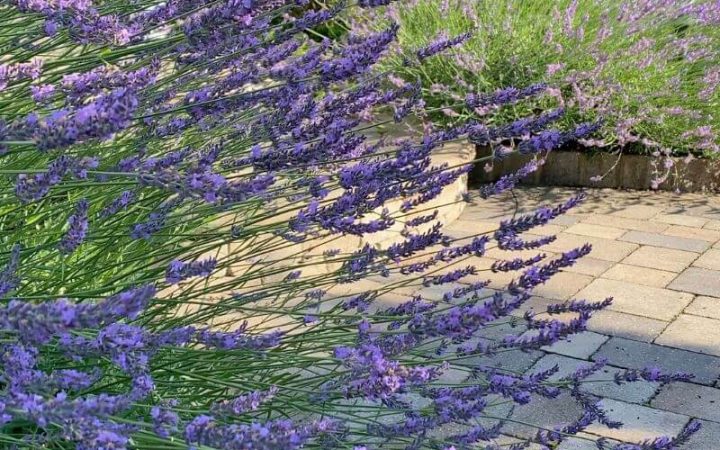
639 212
588 229
680 219
589 266
699 334
627 326
693 233
639 422
661 258
661 240
628 224
704 306
639 275
563 286
708 260
712 225
656 303
604 249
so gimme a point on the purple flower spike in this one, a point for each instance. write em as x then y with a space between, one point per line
9 279
178 270
78 223
443 43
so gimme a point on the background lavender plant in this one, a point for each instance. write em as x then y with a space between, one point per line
648 68
191 199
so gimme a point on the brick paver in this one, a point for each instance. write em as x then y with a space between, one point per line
658 256
698 281
691 399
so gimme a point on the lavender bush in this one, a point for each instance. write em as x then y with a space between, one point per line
649 68
190 194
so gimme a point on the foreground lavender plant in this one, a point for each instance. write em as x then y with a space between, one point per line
198 207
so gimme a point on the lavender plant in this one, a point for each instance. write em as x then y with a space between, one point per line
649 68
191 211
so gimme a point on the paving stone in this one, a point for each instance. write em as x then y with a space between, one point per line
583 441
580 345
588 229
706 438
661 258
562 286
639 275
698 281
589 266
695 333
604 249
566 220
628 224
641 212
514 361
660 240
690 399
656 303
626 325
680 219
600 383
712 225
704 306
638 355
543 412
708 260
639 422
692 233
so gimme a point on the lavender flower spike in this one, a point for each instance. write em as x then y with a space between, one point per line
178 270
78 228
441 44
8 276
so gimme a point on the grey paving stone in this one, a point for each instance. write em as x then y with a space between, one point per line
580 345
660 240
704 306
690 399
542 412
629 326
600 383
699 334
707 438
661 258
656 303
638 355
639 422
698 281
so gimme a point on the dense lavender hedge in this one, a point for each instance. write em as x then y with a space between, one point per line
650 68
164 164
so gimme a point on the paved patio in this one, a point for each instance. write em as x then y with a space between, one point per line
658 256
